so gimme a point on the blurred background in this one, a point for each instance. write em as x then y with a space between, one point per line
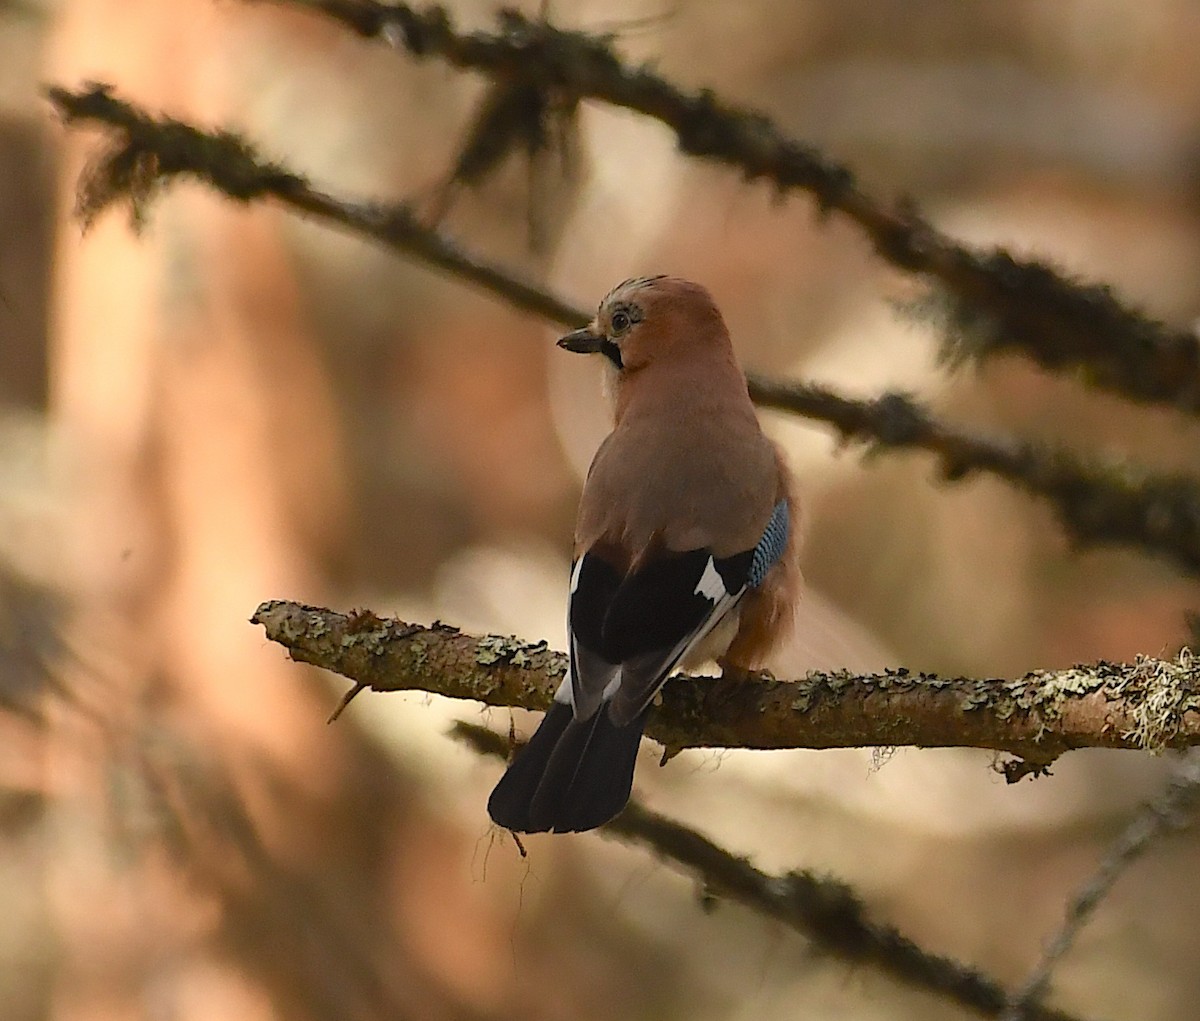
238 405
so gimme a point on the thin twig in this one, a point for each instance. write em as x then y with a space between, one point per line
1147 704
1097 503
1173 810
823 910
987 300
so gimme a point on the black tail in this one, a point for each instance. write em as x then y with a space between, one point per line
572 775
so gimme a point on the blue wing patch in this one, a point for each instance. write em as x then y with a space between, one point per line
771 546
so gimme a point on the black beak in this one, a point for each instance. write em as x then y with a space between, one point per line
583 342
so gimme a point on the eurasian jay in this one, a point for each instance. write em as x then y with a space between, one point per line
684 550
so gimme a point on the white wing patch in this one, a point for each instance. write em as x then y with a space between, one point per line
711 585
578 569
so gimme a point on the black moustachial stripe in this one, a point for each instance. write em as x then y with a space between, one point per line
613 353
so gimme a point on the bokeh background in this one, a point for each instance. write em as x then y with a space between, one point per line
238 405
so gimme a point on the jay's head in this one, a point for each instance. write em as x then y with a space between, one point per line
652 321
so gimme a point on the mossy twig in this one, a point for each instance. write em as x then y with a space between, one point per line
1097 503
987 300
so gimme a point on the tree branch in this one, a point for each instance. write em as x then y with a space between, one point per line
990 301
1099 504
1148 704
151 150
823 910
987 300
1174 809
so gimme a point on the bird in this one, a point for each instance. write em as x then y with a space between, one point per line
684 550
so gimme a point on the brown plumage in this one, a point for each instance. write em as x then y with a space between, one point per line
684 549
687 464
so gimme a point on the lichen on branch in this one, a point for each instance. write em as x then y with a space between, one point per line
1149 704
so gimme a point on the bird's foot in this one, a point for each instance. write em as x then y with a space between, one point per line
733 686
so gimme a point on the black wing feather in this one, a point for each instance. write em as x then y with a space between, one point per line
639 626
628 631
656 607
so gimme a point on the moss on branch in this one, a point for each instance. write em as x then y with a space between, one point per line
1149 704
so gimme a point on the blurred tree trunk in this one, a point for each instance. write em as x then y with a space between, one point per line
212 831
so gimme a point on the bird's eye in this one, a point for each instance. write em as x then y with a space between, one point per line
620 322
